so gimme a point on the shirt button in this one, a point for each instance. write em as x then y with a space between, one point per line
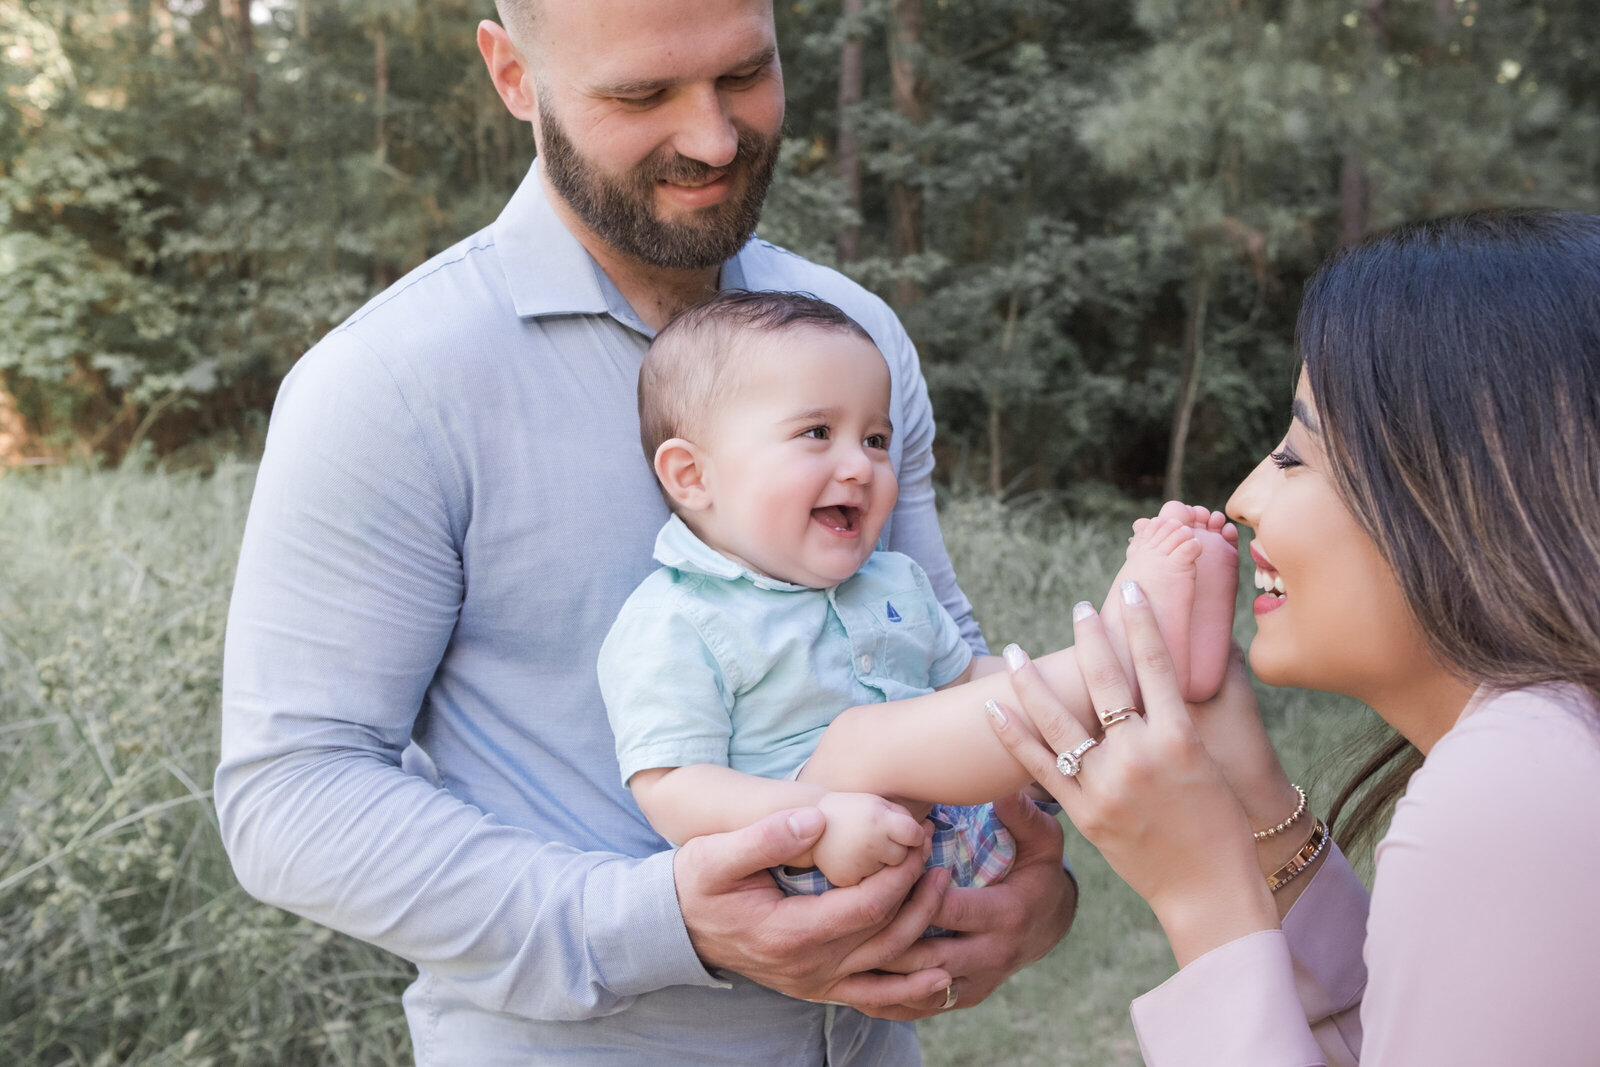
866 664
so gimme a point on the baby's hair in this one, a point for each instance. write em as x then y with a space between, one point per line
687 371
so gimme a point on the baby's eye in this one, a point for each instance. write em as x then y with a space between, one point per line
819 433
1284 459
877 440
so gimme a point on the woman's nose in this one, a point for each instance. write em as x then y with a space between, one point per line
1244 506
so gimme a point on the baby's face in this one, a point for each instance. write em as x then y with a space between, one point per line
797 460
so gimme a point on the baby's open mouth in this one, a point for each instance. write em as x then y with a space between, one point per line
841 518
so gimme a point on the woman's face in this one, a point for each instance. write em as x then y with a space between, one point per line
1331 615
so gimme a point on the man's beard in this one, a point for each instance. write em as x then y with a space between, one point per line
621 210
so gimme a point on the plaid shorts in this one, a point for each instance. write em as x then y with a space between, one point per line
971 841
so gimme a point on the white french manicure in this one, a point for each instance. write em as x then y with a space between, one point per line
1015 658
1131 593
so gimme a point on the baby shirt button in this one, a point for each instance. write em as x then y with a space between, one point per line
866 663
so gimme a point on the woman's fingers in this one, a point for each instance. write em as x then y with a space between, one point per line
1035 758
1050 717
1158 681
1102 672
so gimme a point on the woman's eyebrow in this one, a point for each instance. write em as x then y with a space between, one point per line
1300 410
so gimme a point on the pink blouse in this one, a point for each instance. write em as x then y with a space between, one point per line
1482 940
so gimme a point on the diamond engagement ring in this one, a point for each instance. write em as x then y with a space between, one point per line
1070 763
1116 715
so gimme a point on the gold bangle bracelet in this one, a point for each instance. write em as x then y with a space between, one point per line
1307 855
1294 817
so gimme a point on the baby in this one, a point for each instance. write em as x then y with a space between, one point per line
766 417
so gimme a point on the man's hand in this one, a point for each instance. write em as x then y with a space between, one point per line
1000 928
865 834
824 948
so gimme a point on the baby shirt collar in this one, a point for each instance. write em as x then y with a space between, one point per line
678 547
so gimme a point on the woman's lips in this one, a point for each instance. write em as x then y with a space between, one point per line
1269 581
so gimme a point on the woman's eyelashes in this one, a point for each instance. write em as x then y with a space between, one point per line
1283 459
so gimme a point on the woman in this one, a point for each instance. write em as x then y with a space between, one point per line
1430 527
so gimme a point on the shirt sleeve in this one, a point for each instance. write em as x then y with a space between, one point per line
915 530
1278 998
951 653
666 696
346 596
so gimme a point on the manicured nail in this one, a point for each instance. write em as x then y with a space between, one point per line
1015 658
996 715
1131 593
1082 610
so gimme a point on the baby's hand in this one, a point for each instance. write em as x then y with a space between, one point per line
865 834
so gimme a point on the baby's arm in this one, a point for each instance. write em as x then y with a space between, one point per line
865 832
939 747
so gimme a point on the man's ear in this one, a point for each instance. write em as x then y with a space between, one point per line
682 472
512 77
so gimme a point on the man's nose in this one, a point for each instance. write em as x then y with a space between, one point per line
706 132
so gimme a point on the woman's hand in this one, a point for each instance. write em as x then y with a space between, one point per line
1146 794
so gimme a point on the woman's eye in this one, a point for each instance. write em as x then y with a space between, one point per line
1283 459
820 433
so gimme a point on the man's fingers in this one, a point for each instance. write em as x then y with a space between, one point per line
915 916
894 996
725 860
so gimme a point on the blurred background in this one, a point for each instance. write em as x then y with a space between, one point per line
1094 216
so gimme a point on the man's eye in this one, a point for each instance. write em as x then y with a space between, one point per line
877 440
648 100
818 432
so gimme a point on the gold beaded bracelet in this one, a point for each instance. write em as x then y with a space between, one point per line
1301 860
1294 817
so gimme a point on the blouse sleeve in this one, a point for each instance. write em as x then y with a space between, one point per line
1277 998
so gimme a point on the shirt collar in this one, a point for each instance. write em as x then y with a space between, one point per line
549 272
678 547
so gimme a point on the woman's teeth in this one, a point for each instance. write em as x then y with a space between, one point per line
1269 583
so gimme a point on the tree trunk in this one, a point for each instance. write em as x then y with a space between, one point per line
380 90
850 87
908 92
250 91
997 485
1355 198
382 276
1194 328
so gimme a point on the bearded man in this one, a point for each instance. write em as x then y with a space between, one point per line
452 507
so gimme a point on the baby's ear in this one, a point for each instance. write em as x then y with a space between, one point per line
681 471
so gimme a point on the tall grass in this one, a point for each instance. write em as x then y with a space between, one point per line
123 936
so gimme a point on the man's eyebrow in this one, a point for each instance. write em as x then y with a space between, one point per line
1301 411
646 86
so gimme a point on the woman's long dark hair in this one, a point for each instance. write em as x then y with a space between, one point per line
1455 367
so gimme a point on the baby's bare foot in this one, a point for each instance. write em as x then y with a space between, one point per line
1162 557
1215 588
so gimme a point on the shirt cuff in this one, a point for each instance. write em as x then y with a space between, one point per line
635 930
1236 1004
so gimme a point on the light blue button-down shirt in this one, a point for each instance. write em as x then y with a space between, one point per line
710 662
452 507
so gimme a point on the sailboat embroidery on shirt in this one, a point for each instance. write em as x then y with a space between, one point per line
894 616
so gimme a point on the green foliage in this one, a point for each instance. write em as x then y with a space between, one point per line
185 207
123 935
